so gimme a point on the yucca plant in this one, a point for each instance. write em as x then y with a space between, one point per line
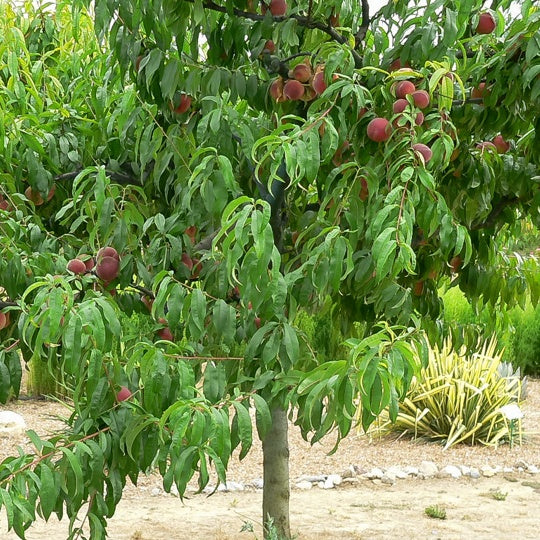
458 399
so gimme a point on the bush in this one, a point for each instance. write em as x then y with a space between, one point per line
525 345
458 399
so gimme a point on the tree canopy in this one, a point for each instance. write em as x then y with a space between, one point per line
182 180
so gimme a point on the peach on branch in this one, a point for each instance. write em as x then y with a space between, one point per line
183 104
379 130
277 7
257 322
364 192
35 196
400 105
480 91
107 268
166 334
486 146
397 64
123 394
191 232
486 23
76 266
88 260
403 88
302 72
4 320
270 46
421 99
276 89
293 89
107 251
455 263
424 151
501 145
418 288
318 83
186 259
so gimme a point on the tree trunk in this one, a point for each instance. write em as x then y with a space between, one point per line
276 491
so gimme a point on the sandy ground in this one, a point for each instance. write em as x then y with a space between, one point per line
362 510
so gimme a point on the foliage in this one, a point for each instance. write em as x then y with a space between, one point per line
526 342
458 398
230 212
435 511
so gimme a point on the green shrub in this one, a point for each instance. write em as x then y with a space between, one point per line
525 345
458 399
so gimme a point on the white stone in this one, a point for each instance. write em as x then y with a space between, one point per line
374 473
396 472
465 470
451 471
328 483
508 469
351 480
487 471
349 472
533 469
411 471
428 469
11 422
335 479
388 480
474 473
156 492
304 484
521 464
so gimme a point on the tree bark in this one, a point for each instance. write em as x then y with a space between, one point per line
276 491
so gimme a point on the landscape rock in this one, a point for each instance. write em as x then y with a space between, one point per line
487 471
349 472
388 480
428 469
258 483
303 484
533 469
450 471
411 471
474 473
373 473
11 422
397 472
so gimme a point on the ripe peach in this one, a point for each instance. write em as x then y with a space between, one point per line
76 266
424 150
123 394
302 72
400 105
421 99
277 7
293 89
186 259
402 88
379 130
318 82
418 288
88 260
35 196
480 91
486 23
166 334
107 251
276 89
486 146
270 46
364 192
107 268
455 263
257 322
501 145
4 320
183 105
396 64
191 232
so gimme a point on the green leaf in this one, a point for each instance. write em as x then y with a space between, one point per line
47 491
244 428
263 416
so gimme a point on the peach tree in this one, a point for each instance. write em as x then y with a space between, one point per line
179 186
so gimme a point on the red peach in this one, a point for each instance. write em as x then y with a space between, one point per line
486 23
379 130
424 150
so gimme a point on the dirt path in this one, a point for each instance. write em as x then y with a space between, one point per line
363 510
366 511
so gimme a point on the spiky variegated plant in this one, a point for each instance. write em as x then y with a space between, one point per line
458 398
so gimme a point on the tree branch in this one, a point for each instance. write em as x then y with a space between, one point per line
362 31
302 20
118 177
495 213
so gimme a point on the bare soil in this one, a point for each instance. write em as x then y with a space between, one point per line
361 510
